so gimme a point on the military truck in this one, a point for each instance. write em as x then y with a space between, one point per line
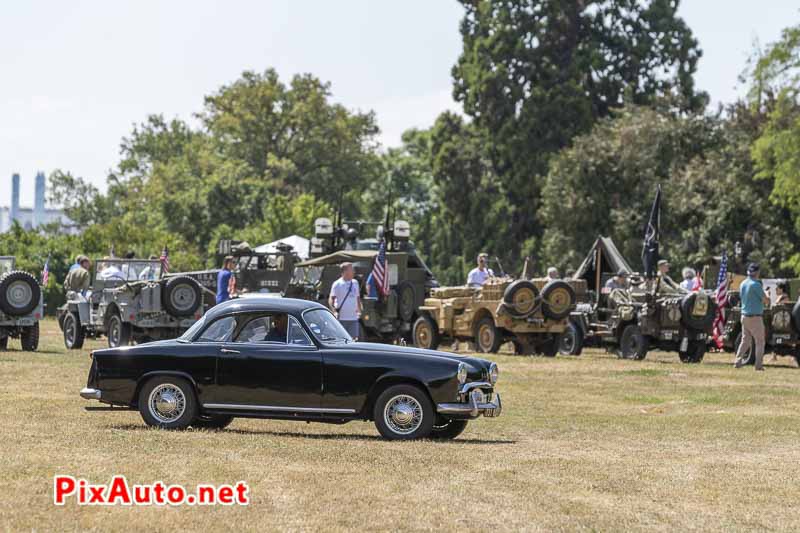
21 306
533 314
130 301
254 271
384 319
631 322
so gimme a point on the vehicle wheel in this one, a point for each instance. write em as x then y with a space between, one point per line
181 296
426 333
558 299
521 298
632 344
118 332
212 422
749 354
549 348
74 333
571 341
487 337
29 338
448 429
694 353
19 293
404 412
796 316
168 402
406 301
4 344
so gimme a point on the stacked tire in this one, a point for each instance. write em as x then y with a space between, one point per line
20 294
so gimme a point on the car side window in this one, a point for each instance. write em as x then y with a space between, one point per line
297 335
269 329
219 331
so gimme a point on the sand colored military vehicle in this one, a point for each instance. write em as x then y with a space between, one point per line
130 301
21 306
532 314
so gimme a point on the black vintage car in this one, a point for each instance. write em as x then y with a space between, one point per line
263 357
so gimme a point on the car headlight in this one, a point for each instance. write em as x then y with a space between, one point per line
462 373
494 373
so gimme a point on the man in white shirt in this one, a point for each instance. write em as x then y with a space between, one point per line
553 274
478 275
345 300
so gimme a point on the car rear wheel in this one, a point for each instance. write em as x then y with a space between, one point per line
426 333
118 332
448 429
633 344
29 338
487 336
74 334
403 412
168 402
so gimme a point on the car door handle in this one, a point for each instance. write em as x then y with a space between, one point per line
228 350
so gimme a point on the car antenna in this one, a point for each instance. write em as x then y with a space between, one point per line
338 220
388 234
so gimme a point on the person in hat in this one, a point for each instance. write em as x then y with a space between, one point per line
78 278
689 279
751 293
478 275
619 281
553 274
665 283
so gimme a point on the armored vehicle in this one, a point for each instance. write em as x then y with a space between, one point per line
644 316
533 314
384 319
254 272
21 306
129 301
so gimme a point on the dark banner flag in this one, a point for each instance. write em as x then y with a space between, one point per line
651 236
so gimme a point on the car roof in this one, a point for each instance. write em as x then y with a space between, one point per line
254 304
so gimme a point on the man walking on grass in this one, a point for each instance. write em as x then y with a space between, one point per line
752 295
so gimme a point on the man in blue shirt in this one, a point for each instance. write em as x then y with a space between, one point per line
751 292
224 280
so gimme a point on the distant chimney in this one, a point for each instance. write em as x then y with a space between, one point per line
14 198
38 205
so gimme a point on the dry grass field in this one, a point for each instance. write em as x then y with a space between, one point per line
586 443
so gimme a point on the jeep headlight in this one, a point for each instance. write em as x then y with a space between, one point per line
462 373
494 373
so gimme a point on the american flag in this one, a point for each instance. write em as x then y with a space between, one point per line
165 261
46 272
380 277
722 299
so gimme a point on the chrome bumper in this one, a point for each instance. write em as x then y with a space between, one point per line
90 394
474 406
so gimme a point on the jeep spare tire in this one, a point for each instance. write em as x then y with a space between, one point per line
181 296
697 314
19 293
521 298
558 299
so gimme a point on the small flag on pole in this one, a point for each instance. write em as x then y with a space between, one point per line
721 297
46 272
651 237
165 260
380 275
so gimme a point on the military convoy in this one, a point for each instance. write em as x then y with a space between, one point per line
21 306
532 314
130 301
631 322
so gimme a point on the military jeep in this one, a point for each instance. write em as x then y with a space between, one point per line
21 306
129 301
533 314
781 327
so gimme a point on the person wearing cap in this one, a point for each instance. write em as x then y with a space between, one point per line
78 278
751 293
478 275
619 281
553 274
689 280
665 283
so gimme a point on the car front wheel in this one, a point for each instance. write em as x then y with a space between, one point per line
403 412
168 402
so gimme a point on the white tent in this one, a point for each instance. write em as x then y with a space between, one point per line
300 245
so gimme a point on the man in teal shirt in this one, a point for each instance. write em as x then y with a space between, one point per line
751 292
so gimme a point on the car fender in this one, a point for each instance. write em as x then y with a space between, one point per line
396 377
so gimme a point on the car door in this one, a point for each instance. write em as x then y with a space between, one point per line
257 373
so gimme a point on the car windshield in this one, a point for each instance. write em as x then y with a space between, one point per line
128 270
190 333
325 327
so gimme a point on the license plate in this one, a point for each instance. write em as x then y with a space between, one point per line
779 339
668 335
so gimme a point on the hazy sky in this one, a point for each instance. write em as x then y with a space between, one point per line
77 75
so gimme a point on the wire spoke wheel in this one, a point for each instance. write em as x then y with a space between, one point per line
166 402
403 414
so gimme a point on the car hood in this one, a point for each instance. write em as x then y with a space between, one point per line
411 352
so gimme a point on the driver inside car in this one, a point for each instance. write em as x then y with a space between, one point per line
278 331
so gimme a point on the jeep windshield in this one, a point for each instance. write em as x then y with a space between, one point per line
128 270
325 327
